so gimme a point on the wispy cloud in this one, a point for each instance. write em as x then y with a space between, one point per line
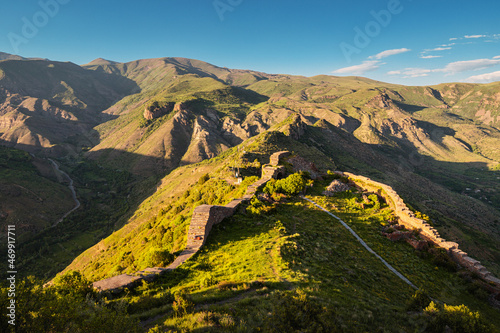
439 49
475 36
389 53
484 78
364 67
469 65
371 64
412 72
430 56
451 68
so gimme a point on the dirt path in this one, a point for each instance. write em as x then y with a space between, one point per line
71 188
362 242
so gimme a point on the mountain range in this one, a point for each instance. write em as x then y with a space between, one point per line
136 137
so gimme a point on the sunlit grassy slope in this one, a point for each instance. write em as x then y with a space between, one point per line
251 261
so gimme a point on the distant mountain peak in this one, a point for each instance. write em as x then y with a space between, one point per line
101 61
7 56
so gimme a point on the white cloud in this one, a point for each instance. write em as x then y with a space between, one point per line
475 36
469 65
430 57
497 57
440 49
389 53
412 72
453 38
484 78
453 68
366 66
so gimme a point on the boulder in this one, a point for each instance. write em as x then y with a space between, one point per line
335 187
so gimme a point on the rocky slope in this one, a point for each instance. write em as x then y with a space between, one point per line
51 107
437 146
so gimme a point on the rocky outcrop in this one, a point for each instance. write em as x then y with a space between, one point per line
296 128
335 187
155 111
408 219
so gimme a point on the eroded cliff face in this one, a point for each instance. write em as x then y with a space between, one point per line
156 111
50 108
36 125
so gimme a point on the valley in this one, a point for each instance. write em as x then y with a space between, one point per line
141 144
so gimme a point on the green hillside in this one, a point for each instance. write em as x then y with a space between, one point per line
289 265
149 140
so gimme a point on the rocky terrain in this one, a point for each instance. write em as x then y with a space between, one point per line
437 146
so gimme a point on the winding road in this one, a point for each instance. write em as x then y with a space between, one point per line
72 189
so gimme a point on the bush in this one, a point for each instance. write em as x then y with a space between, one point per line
291 185
182 305
158 258
203 179
441 258
296 312
257 207
60 308
457 318
418 301
73 284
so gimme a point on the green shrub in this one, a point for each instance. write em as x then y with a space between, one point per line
441 258
291 185
296 312
203 179
419 300
73 284
457 318
182 305
64 307
270 187
257 207
158 258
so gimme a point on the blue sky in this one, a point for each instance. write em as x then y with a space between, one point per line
413 42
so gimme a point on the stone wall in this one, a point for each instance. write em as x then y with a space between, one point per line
203 219
275 158
408 219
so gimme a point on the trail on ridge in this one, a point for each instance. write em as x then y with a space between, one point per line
360 240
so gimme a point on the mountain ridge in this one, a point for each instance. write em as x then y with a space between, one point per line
409 128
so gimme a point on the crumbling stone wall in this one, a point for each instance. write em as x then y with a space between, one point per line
407 218
203 219
275 158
